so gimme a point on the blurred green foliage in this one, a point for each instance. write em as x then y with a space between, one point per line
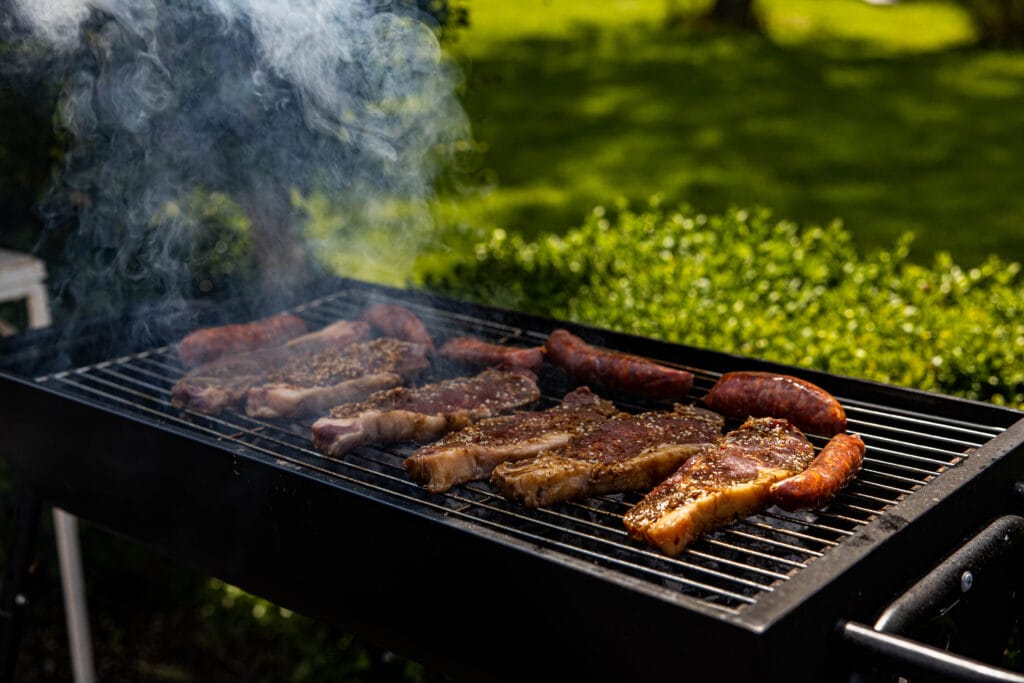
745 282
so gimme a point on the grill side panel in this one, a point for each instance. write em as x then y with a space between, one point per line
459 602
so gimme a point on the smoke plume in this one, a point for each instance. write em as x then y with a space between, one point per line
197 130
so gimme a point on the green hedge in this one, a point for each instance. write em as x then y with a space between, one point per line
748 283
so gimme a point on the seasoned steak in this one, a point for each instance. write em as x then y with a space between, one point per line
214 386
423 413
626 453
309 384
725 482
209 343
474 451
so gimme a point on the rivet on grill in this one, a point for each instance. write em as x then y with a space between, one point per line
966 581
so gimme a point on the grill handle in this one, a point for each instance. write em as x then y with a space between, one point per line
956 575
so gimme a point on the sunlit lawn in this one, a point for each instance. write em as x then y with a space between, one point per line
884 117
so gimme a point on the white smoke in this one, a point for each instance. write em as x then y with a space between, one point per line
163 102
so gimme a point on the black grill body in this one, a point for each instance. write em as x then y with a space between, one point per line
477 586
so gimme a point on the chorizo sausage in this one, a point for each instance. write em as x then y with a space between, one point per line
210 343
746 394
833 468
394 320
476 351
615 370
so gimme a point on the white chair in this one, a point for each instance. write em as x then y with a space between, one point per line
22 277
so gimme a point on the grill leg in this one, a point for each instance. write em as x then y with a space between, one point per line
13 593
65 527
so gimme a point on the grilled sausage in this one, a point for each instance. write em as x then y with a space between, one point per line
833 468
210 343
474 351
765 394
393 320
615 370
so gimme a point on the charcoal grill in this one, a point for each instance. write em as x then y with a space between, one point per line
482 588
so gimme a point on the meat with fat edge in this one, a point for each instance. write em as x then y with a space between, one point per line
423 413
626 453
473 452
309 384
728 480
225 382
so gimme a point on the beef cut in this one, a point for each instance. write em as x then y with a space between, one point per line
728 480
225 382
310 383
629 452
423 413
209 343
473 452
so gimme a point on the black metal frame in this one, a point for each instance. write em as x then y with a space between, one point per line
465 598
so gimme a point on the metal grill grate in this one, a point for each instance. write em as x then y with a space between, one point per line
728 569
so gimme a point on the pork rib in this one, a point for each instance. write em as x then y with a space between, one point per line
726 481
423 413
310 383
626 453
473 452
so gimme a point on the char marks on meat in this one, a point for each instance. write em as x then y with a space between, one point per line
423 413
726 481
225 382
473 452
625 453
310 383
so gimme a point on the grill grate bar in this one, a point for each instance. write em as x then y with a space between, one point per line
929 422
786 532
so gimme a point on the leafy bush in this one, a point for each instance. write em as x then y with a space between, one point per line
745 282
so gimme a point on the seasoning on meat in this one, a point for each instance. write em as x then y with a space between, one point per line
209 343
310 383
214 386
475 351
423 413
614 370
746 394
626 453
726 481
473 452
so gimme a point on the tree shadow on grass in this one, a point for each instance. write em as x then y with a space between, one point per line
927 143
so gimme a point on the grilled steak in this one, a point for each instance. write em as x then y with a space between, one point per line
726 481
214 386
394 320
310 383
626 453
209 343
423 413
474 451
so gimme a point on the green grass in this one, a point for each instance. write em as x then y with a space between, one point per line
883 117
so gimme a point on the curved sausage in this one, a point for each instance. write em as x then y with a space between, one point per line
394 320
833 468
764 394
615 370
476 351
210 343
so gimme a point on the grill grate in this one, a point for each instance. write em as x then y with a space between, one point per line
728 569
